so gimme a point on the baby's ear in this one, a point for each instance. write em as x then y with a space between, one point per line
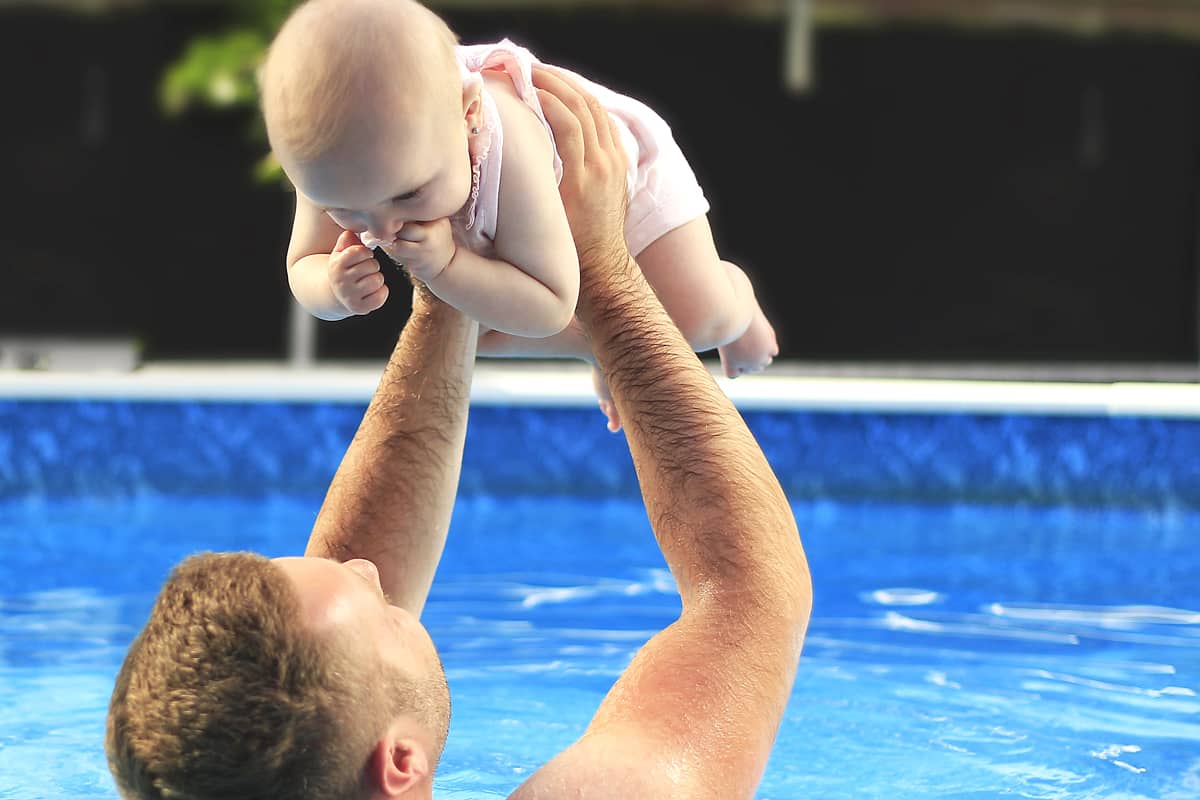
472 102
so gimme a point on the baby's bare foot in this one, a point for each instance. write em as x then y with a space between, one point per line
753 351
605 398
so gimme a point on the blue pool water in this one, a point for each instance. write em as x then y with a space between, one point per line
1005 606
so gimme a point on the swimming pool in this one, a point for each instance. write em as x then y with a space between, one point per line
1007 604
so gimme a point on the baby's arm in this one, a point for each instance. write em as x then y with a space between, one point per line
530 287
331 273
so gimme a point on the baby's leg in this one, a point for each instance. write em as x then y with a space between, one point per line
710 300
571 343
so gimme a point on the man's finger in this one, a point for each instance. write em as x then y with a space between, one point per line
568 135
613 134
575 102
600 117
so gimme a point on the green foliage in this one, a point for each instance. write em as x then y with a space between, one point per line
220 71
266 16
214 71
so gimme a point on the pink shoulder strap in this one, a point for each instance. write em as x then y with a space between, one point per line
517 63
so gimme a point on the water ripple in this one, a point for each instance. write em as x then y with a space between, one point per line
1117 617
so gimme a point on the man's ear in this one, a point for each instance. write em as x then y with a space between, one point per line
396 766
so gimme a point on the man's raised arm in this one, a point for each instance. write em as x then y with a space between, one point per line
392 496
696 712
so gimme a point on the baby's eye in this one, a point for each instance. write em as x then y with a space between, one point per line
400 198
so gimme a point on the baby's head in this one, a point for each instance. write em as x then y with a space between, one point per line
367 113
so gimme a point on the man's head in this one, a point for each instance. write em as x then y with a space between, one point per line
366 110
266 679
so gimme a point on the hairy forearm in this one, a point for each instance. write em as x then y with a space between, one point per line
309 281
722 520
393 494
502 296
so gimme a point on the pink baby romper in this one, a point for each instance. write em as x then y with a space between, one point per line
663 190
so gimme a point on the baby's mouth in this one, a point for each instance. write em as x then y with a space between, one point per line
370 241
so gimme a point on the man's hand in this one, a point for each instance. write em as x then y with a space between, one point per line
425 249
593 186
354 275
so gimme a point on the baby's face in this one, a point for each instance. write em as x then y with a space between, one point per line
415 168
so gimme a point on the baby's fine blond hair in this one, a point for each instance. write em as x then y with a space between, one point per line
334 60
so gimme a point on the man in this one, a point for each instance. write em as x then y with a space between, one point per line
296 678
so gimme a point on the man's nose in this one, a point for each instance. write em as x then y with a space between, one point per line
365 568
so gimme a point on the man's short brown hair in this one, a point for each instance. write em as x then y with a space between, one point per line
225 693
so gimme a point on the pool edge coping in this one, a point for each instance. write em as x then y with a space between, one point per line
570 386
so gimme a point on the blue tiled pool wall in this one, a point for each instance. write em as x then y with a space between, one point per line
120 448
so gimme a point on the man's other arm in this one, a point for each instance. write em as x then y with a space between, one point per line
392 497
696 712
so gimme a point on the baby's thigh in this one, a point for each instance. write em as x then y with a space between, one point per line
685 270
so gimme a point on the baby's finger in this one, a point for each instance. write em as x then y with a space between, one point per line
355 254
346 240
368 284
369 301
402 251
375 299
412 232
359 269
349 252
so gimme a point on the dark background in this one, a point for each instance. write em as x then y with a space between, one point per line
940 194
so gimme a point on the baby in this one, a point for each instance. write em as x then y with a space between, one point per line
396 137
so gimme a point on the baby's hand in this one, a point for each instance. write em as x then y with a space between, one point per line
423 248
354 275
